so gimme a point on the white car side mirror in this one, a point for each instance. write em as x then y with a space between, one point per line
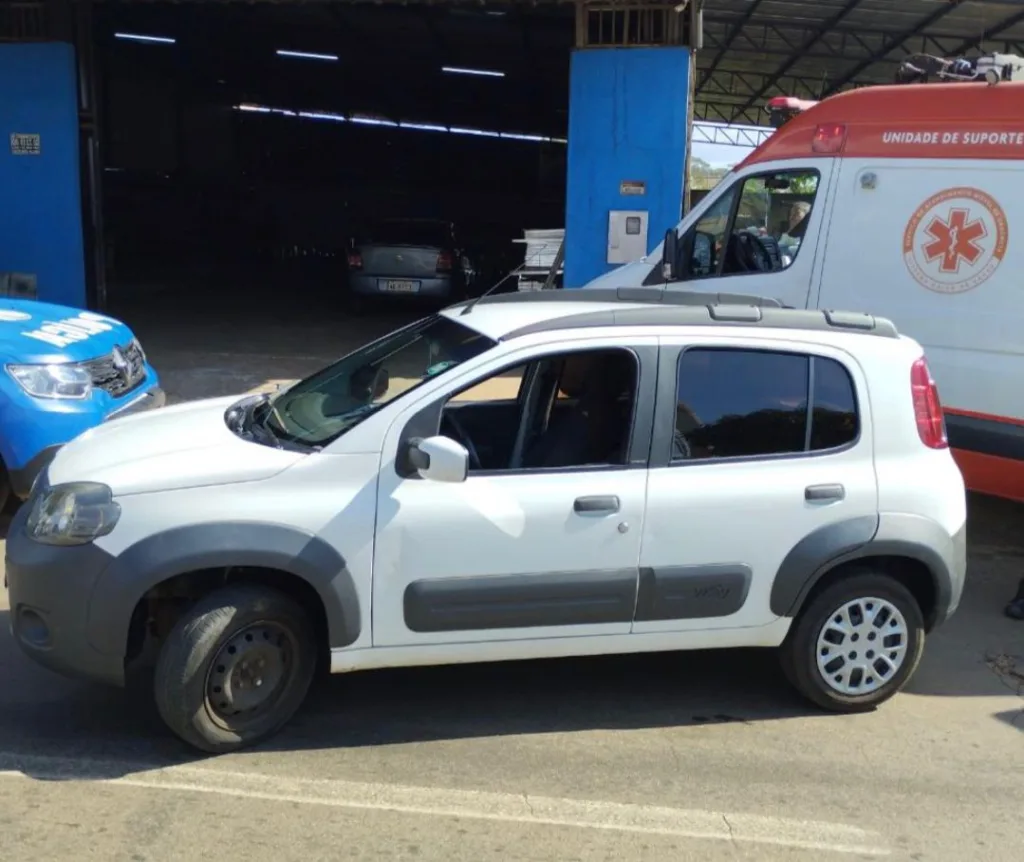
440 459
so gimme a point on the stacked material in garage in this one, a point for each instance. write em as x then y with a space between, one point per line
542 247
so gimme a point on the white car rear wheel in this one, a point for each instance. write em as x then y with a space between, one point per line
856 643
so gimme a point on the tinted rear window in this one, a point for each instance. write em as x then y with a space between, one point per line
744 403
835 421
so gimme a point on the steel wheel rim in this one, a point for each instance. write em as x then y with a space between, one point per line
862 646
250 674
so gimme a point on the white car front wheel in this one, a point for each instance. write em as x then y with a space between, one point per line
235 668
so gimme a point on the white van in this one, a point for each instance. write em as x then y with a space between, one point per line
903 201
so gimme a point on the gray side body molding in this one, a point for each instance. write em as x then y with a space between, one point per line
692 592
895 535
221 545
520 601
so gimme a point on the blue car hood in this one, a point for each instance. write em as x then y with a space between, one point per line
33 332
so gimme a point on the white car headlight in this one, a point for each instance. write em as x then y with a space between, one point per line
53 381
72 514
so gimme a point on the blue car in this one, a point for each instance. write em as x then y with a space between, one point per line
65 371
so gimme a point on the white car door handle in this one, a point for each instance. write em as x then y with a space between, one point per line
824 492
584 505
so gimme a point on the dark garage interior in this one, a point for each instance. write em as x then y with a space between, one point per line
231 169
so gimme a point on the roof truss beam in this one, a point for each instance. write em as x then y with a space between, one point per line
812 39
864 47
894 44
990 33
730 91
733 136
735 30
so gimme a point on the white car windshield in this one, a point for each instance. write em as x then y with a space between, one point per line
325 405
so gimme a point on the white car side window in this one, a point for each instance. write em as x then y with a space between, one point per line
577 410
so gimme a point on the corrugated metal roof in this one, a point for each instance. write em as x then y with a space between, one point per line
755 49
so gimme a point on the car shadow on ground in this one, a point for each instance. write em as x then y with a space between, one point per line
1013 717
979 652
44 712
121 732
546 696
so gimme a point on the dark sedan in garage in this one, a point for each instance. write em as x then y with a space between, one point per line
410 258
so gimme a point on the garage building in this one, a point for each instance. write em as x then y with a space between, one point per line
213 152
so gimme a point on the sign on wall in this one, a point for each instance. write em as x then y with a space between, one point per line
20 285
25 145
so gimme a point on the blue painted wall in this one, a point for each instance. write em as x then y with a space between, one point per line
40 196
628 113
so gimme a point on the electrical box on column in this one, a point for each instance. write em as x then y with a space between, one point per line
627 235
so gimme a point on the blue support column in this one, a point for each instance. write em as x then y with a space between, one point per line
628 114
40 193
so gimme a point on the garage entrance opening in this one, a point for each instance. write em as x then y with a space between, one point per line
250 149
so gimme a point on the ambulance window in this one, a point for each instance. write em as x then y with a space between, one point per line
774 211
755 226
710 234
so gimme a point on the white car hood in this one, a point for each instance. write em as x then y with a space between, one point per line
184 446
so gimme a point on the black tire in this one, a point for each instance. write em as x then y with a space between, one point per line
186 676
799 652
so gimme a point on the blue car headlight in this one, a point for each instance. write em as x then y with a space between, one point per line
53 381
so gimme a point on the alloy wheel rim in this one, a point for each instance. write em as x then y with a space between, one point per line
862 646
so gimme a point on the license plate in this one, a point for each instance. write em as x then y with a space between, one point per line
397 286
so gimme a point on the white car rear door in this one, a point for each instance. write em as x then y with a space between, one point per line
737 482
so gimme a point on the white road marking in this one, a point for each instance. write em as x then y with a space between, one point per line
444 802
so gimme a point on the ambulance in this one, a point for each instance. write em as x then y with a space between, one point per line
905 201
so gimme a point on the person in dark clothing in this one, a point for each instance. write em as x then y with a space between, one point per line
1015 609
590 432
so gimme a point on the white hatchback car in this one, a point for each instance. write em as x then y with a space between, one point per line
550 474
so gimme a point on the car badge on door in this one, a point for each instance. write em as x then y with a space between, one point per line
399 257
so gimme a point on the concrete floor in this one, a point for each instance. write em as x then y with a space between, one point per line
703 756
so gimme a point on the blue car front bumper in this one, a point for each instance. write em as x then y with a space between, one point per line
33 429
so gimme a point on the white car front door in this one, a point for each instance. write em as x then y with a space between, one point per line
510 554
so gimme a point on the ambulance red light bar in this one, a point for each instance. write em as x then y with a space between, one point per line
781 109
829 138
789 103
